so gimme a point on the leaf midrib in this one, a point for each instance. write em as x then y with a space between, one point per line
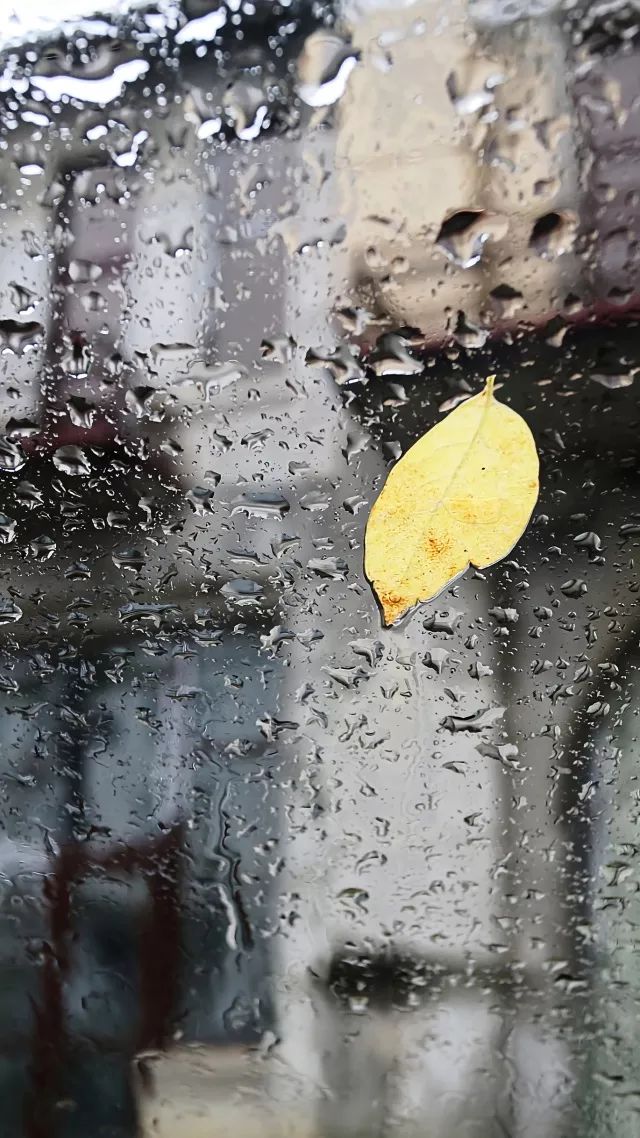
427 513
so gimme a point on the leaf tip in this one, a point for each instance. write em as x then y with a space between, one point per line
393 607
488 389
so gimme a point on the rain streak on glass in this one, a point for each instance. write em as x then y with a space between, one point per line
266 865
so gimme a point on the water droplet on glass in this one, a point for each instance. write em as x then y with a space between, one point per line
324 67
28 495
463 235
468 334
202 28
102 90
145 613
246 108
467 98
7 529
10 612
614 379
19 336
506 301
81 411
554 233
589 540
278 349
391 357
200 498
335 568
131 559
341 364
477 721
575 587
260 504
242 591
72 460
21 428
146 402
12 457
43 547
23 299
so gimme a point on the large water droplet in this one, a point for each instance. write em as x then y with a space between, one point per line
43 547
463 235
12 457
325 65
7 529
102 91
242 591
72 460
19 336
10 612
554 233
260 504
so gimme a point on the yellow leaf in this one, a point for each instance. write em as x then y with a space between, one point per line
462 495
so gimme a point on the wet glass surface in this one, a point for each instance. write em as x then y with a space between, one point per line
266 865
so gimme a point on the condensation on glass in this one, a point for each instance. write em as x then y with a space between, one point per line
267 867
